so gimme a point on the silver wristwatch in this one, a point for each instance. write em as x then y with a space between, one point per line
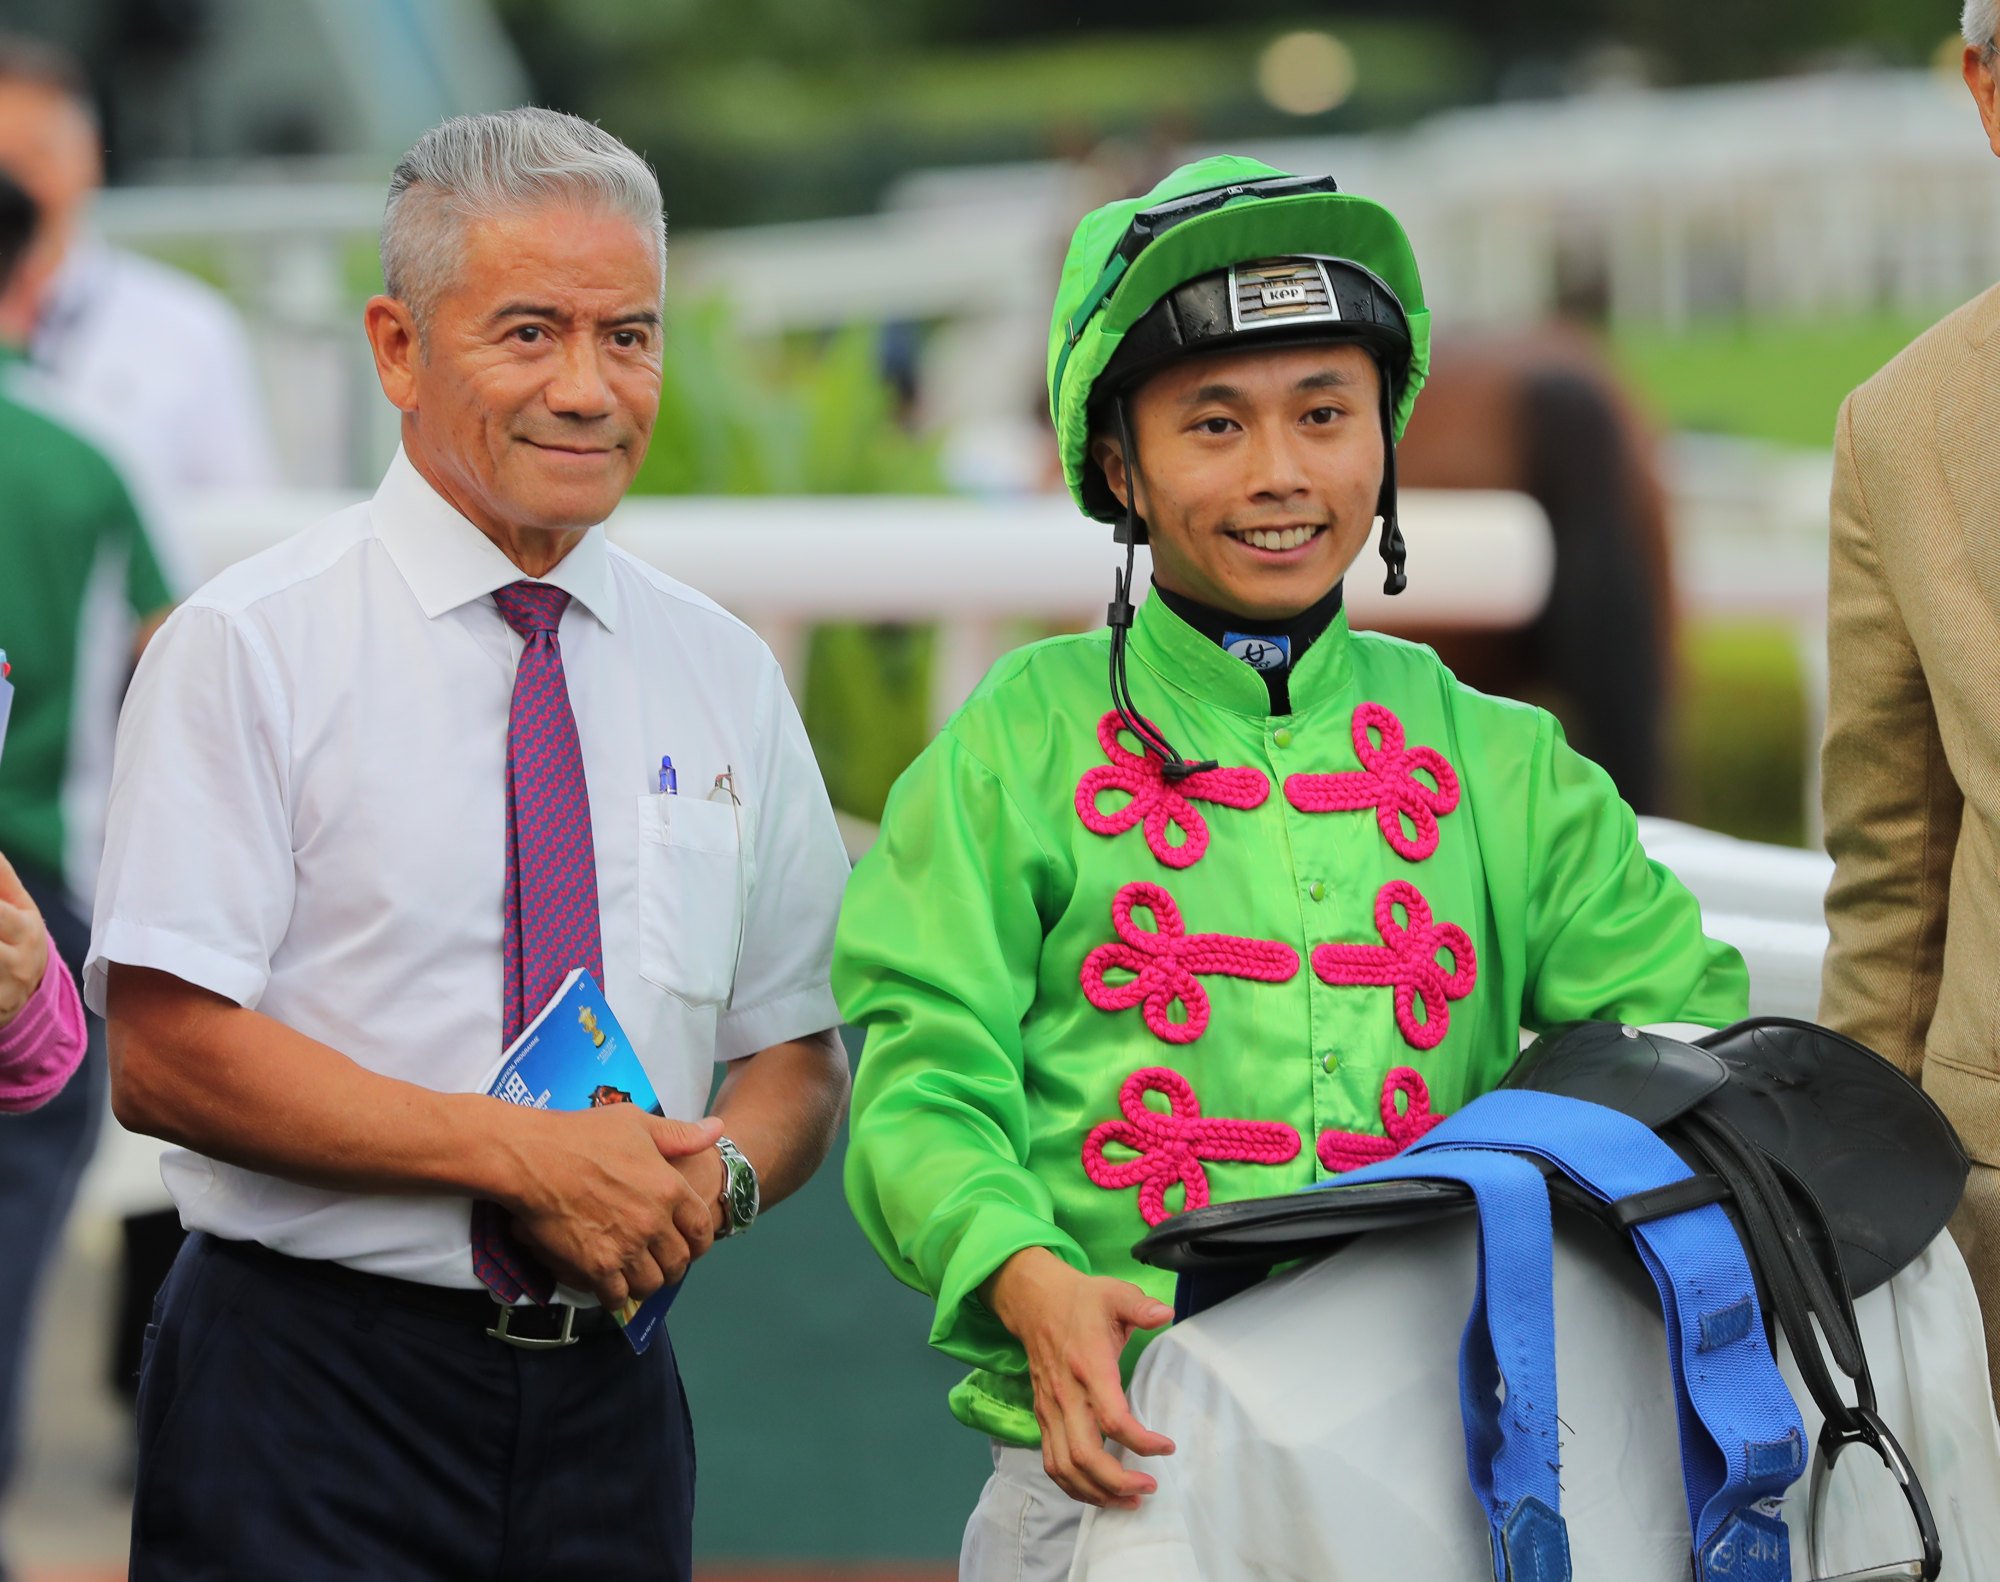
739 1189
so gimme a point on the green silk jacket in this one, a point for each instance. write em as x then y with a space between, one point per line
1092 999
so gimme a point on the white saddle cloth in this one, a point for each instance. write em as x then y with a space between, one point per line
1319 1440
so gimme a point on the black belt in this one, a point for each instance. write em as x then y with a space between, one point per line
529 1327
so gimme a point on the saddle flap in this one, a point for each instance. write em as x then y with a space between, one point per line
1259 1232
1848 1129
1844 1127
1648 1076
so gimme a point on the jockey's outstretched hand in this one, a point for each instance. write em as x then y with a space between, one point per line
1074 1327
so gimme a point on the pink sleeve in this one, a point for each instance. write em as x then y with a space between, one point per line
43 1044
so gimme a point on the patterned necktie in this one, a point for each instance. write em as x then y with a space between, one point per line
551 925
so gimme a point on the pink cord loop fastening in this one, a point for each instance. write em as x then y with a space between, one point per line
1387 782
1172 1144
1164 963
1158 804
1406 961
1351 1150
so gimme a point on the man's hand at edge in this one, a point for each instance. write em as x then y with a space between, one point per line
24 945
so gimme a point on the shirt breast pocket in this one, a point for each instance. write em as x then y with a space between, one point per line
692 881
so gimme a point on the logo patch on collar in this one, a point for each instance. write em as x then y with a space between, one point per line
1259 653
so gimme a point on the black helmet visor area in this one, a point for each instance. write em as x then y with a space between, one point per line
1148 225
1256 306
1264 303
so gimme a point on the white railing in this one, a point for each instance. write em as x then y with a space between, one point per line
1480 560
1764 900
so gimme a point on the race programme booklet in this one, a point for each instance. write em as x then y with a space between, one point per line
575 1056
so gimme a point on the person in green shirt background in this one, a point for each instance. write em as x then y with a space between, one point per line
80 589
1261 909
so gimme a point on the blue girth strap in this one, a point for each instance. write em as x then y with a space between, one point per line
1507 1358
1742 1441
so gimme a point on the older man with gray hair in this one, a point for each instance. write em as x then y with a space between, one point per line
1912 754
378 792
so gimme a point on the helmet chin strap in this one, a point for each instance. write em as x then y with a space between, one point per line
1394 552
1130 532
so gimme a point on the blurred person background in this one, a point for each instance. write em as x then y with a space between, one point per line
81 592
42 1035
157 366
159 358
1660 252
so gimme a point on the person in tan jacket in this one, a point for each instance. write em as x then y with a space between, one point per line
1911 763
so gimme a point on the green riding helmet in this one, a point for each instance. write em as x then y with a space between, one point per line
1225 254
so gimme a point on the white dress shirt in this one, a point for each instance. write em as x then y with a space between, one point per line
308 816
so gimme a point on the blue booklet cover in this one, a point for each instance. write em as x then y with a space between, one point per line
575 1056
6 697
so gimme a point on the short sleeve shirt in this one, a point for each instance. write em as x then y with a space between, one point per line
308 816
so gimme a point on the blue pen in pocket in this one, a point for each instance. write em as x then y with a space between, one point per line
670 783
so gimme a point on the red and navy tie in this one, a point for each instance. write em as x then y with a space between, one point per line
551 925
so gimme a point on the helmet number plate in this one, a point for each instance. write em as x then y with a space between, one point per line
1277 292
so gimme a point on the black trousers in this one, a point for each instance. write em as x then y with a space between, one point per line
288 1430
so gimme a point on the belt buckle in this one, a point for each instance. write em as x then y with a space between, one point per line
1868 1429
568 1337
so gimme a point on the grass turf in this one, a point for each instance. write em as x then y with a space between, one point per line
1773 379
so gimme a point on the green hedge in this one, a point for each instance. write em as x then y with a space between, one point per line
1738 732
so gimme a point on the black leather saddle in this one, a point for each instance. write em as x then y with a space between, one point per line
1835 1168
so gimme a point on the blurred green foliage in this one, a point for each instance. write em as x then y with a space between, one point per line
1773 379
782 109
1018 89
1738 731
738 416
773 109
744 416
1692 43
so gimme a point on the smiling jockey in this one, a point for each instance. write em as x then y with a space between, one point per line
1265 909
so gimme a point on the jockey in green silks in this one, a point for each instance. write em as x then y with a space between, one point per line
1261 909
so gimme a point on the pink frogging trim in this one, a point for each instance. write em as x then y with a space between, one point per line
1171 1145
1157 804
1406 961
1387 782
1351 1150
1164 963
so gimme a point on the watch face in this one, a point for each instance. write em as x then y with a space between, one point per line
740 1195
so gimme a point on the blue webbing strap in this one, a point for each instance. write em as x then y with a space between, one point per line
1507 1372
1742 1440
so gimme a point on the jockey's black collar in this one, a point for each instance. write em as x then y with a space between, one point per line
1296 633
